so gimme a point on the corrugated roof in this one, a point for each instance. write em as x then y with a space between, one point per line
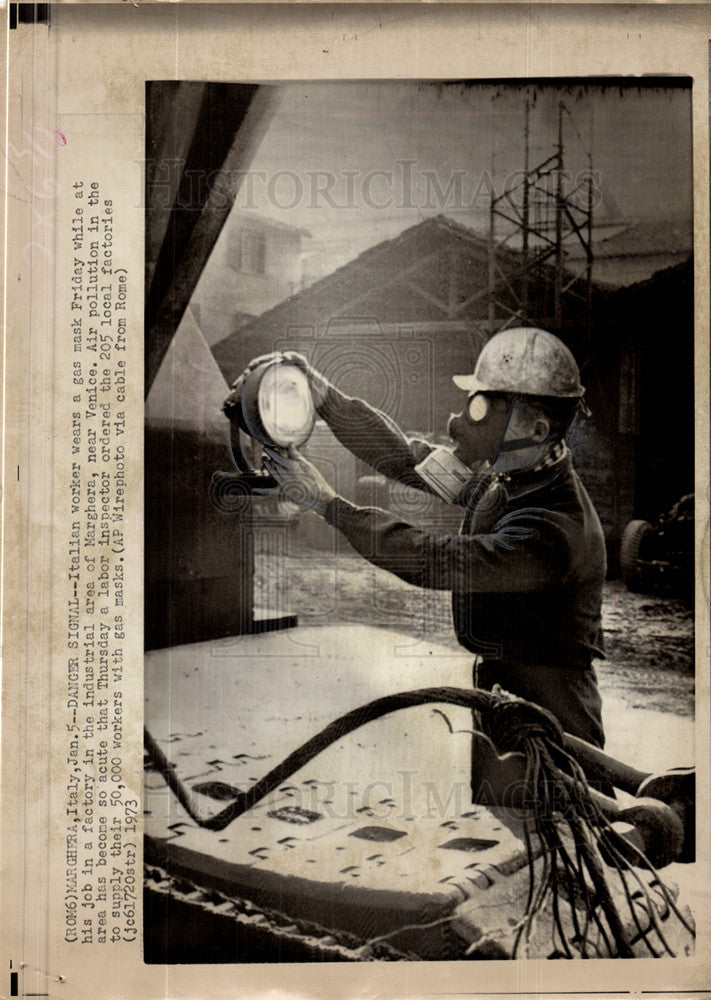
644 239
436 270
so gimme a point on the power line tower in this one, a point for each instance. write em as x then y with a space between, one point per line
546 211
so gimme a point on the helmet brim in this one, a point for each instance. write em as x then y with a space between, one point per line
471 384
468 383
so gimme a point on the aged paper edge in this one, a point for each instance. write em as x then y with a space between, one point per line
240 45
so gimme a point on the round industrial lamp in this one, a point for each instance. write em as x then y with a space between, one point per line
277 405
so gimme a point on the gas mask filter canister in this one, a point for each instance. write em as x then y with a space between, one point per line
444 473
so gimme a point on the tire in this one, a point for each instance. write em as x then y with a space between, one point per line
629 552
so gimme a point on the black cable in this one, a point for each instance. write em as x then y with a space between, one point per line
472 699
557 784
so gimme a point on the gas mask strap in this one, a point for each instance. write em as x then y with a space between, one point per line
502 443
516 443
583 407
526 443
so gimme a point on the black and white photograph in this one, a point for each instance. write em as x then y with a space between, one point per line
419 521
355 583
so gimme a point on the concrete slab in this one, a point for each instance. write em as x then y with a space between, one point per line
377 835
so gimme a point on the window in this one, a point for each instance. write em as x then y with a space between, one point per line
252 252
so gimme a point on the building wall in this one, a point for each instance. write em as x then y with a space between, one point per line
231 287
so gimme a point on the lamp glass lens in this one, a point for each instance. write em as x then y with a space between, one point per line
285 405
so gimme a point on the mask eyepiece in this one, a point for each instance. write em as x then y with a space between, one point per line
478 407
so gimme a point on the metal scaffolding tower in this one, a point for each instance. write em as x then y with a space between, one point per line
546 210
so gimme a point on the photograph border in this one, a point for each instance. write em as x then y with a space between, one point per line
93 64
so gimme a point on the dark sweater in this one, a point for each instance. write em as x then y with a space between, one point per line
525 572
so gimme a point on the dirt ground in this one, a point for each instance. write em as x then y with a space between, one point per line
649 639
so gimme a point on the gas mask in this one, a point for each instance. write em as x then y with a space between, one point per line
482 432
489 416
479 430
478 433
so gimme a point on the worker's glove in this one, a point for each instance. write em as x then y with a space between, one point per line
318 384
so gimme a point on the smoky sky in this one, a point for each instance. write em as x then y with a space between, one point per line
371 158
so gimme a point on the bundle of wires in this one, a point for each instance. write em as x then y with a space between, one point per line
584 866
574 853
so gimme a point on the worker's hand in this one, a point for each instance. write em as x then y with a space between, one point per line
299 479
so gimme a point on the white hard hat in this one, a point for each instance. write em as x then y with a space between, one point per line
525 361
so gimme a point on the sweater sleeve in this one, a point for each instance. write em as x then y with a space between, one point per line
528 551
373 437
